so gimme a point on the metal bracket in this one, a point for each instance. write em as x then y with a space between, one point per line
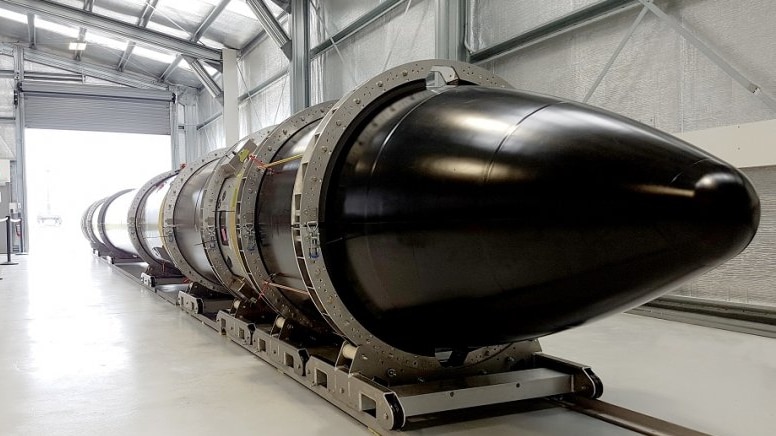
314 239
372 401
198 300
584 382
238 330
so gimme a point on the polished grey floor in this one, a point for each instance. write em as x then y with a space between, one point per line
85 351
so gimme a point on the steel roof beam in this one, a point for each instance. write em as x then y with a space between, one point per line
575 19
208 82
114 27
99 72
206 23
145 17
361 22
32 33
271 25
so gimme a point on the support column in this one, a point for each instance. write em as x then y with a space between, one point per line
300 55
175 146
190 120
451 29
19 166
231 97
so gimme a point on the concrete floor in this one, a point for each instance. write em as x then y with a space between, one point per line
83 350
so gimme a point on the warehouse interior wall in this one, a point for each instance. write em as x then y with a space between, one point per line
404 34
659 79
264 86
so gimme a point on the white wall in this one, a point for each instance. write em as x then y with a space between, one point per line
659 78
743 145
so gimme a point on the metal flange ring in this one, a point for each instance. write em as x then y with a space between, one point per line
230 166
248 192
132 220
309 191
168 221
89 229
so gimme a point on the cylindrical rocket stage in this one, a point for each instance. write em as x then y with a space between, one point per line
411 218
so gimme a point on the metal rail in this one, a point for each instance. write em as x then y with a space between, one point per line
625 418
736 317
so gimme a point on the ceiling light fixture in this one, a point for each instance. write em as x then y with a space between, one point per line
77 46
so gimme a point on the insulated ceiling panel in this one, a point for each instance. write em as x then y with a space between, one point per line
169 30
184 14
184 77
12 30
58 41
178 18
146 67
101 55
233 30
126 13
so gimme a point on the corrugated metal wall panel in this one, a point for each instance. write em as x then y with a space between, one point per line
96 108
6 97
211 137
751 277
8 133
6 62
336 14
207 106
405 37
498 20
97 114
261 64
268 107
659 78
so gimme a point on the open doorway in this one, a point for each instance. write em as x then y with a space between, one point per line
68 170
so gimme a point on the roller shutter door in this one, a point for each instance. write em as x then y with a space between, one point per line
96 108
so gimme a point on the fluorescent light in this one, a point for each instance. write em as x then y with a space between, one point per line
70 32
157 56
104 41
77 46
13 16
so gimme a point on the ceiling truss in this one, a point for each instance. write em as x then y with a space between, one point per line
145 17
110 26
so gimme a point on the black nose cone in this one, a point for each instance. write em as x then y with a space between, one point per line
486 216
723 214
